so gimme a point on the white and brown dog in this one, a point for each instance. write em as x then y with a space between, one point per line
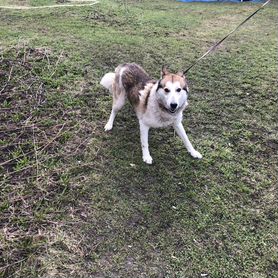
156 103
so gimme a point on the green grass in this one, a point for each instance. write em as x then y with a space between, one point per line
78 202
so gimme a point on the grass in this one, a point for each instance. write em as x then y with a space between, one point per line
37 3
78 202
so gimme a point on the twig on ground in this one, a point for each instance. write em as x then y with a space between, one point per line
36 156
57 62
24 126
9 78
40 149
14 263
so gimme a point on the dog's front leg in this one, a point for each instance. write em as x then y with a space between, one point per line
182 134
144 133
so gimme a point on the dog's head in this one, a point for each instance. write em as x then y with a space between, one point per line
172 91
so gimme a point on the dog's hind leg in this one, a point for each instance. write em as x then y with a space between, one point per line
118 102
182 134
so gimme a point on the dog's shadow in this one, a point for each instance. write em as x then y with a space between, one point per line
152 191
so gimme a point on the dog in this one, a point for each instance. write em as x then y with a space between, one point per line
157 103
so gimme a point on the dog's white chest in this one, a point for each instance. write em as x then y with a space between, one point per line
156 119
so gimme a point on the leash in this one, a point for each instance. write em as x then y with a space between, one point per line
228 35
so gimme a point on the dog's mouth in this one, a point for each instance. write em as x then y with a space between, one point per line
172 111
168 110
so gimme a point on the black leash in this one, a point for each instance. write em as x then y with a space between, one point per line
219 42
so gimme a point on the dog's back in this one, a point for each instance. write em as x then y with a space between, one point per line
132 78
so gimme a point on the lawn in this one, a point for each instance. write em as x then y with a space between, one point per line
76 201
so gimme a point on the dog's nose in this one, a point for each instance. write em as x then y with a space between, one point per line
173 106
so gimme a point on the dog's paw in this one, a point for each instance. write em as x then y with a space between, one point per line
108 126
196 154
148 159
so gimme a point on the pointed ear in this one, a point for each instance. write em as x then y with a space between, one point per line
181 74
164 71
187 88
186 85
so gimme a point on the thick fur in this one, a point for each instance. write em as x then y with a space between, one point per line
156 103
108 80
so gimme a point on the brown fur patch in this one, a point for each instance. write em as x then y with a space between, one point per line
133 79
173 78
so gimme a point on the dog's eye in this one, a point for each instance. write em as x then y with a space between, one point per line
166 90
178 90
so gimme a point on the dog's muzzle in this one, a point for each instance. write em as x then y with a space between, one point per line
172 110
173 107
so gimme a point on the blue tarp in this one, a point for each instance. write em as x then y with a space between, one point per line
235 1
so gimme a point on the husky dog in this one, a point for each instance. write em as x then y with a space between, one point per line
156 103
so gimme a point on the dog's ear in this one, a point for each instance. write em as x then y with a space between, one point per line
164 71
186 85
181 74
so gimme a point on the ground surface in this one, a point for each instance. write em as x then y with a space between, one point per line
78 202
28 5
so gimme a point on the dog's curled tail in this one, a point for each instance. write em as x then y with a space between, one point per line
108 80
